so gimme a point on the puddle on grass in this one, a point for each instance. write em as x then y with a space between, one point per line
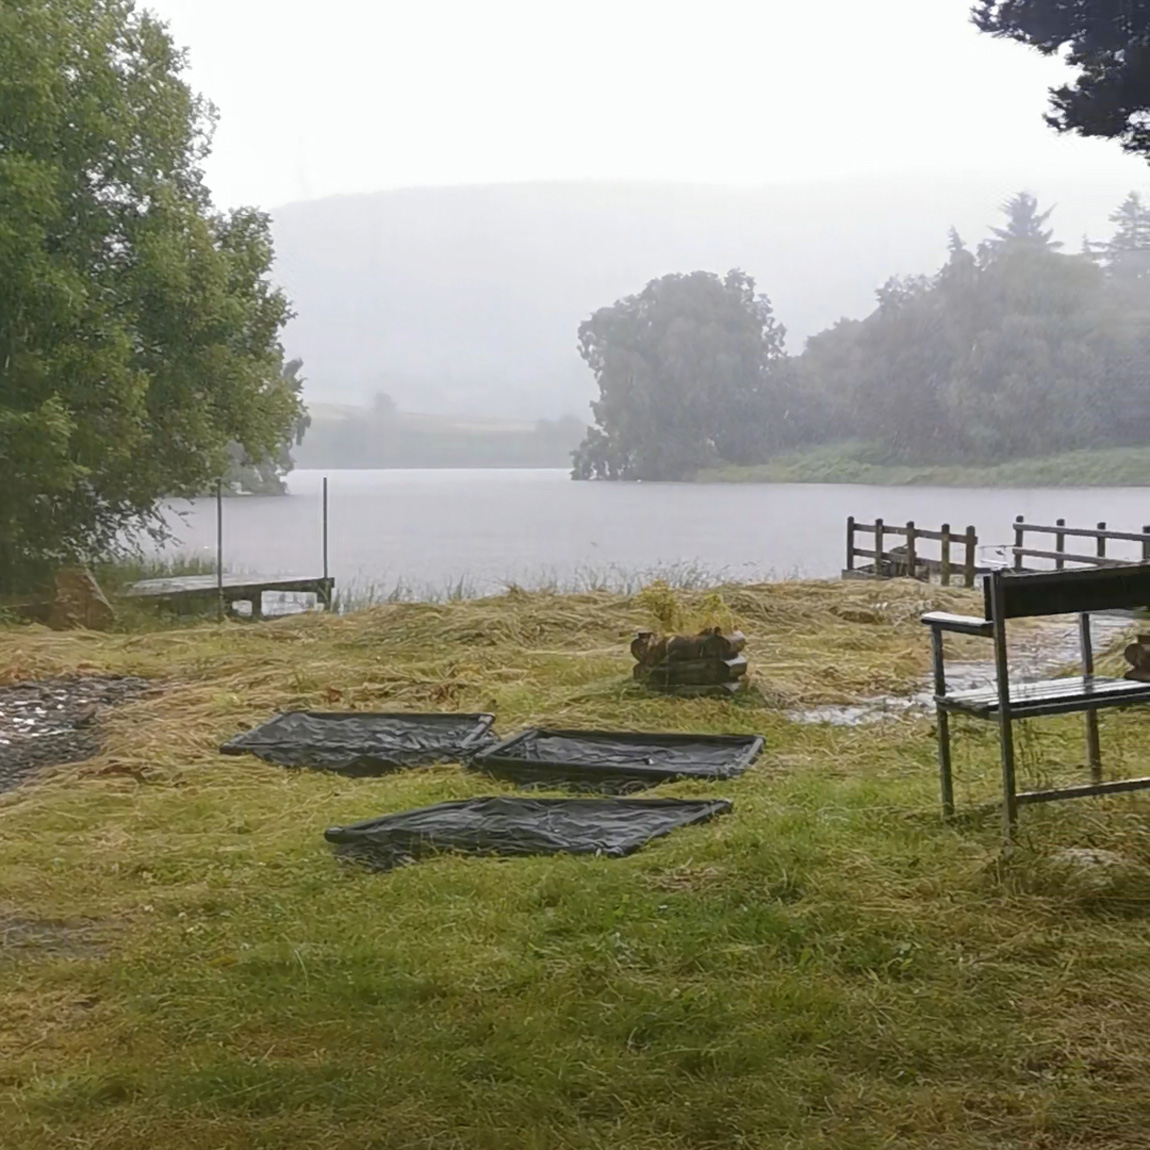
56 721
1036 653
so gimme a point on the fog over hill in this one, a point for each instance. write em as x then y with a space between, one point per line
466 300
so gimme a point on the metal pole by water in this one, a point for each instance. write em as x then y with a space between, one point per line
326 585
220 550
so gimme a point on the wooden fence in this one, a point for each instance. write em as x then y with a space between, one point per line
907 559
1060 556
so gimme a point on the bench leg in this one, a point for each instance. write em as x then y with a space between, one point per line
1093 749
944 776
1009 787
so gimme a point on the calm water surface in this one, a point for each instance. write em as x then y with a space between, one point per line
428 530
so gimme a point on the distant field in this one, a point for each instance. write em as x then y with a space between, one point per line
357 437
857 463
829 967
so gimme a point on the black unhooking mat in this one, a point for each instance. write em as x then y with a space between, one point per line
363 742
615 761
518 826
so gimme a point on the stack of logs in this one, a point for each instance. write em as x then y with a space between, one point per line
709 662
1138 656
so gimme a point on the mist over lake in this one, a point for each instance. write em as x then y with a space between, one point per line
429 530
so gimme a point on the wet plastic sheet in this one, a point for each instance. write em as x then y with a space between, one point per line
363 742
508 825
616 761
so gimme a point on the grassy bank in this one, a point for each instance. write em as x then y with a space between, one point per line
862 463
183 964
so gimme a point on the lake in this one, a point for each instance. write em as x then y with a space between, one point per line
429 531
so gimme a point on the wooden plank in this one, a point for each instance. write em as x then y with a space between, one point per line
968 570
961 624
879 525
876 554
1072 592
208 585
1087 532
1116 787
1050 697
1066 557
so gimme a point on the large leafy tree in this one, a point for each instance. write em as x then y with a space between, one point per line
685 378
266 476
138 329
1108 41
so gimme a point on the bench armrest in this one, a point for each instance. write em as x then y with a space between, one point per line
962 624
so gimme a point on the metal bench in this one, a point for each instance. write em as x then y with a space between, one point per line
1013 595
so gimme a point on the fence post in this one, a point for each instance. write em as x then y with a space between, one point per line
968 571
911 556
1019 542
1059 545
878 565
220 550
1146 543
1101 542
944 565
850 542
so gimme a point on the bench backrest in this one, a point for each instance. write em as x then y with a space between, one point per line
1068 592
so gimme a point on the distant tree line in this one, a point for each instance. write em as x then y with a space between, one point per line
1013 349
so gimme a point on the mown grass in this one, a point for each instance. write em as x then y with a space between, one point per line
865 464
183 964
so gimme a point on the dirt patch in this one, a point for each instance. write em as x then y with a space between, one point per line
28 936
55 721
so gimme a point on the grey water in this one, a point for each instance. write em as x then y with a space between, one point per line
428 531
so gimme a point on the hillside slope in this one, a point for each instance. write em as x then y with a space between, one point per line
466 300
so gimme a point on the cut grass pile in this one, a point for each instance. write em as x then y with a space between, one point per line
183 964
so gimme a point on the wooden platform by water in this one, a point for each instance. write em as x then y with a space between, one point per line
199 591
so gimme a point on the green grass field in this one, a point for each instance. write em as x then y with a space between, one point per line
863 463
184 965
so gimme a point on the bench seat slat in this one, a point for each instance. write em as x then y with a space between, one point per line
1049 696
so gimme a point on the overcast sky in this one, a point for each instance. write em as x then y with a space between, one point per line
318 98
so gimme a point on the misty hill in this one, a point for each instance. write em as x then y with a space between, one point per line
466 300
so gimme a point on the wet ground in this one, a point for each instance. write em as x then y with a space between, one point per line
1035 653
56 721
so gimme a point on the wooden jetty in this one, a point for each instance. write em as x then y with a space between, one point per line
956 557
197 592
1059 556
193 592
957 552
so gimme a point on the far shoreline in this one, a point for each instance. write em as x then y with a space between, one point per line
853 463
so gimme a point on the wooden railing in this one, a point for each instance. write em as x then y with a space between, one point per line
1060 556
908 559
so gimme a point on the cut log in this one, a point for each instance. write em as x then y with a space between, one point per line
694 672
649 648
710 644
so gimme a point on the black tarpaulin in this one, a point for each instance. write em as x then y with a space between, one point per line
363 742
519 826
616 761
